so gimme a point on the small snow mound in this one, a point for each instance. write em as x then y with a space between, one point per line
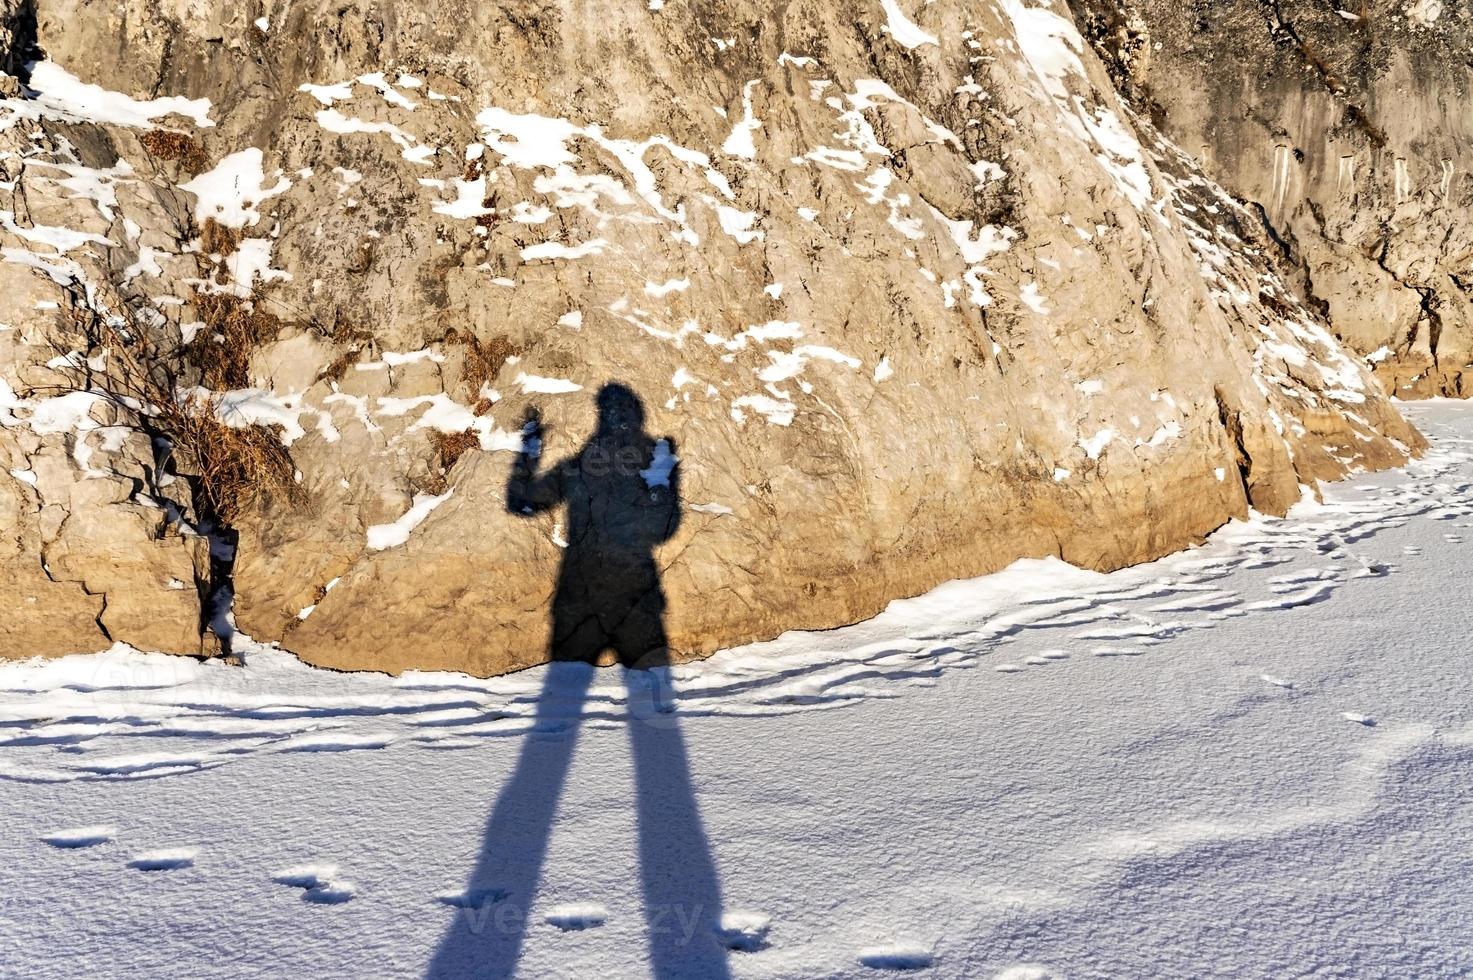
1027 971
576 915
744 932
305 875
535 384
318 885
471 898
896 956
330 893
171 859
78 837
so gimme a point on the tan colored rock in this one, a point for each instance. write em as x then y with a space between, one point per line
908 301
1351 135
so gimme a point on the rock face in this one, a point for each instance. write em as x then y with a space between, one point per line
907 291
1349 126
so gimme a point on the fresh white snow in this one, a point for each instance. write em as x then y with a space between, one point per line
61 91
536 384
383 536
232 191
905 31
1247 759
740 143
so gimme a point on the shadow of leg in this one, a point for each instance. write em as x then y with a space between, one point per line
485 939
682 895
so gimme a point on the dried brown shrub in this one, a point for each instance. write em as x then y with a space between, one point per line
338 366
238 469
235 328
349 337
450 446
234 469
483 359
167 144
217 239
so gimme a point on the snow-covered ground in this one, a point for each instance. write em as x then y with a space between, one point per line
1252 759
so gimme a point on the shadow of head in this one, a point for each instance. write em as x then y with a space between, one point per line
619 409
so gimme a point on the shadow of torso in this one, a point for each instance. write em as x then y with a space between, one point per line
623 501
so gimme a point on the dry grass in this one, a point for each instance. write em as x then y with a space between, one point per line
483 361
237 469
217 239
235 329
349 337
338 366
450 446
232 470
166 144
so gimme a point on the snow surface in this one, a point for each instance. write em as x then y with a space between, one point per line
905 31
231 192
740 143
384 536
62 92
1248 759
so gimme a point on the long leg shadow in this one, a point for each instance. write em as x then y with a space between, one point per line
485 939
678 878
682 893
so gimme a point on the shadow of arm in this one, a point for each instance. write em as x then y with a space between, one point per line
527 492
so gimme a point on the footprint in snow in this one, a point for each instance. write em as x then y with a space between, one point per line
318 884
744 932
1277 681
78 837
330 893
1117 652
472 898
1027 971
1365 720
1008 669
170 859
896 956
576 915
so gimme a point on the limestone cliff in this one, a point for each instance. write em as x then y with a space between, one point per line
1348 126
908 289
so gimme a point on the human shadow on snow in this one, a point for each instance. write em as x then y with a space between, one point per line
622 494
